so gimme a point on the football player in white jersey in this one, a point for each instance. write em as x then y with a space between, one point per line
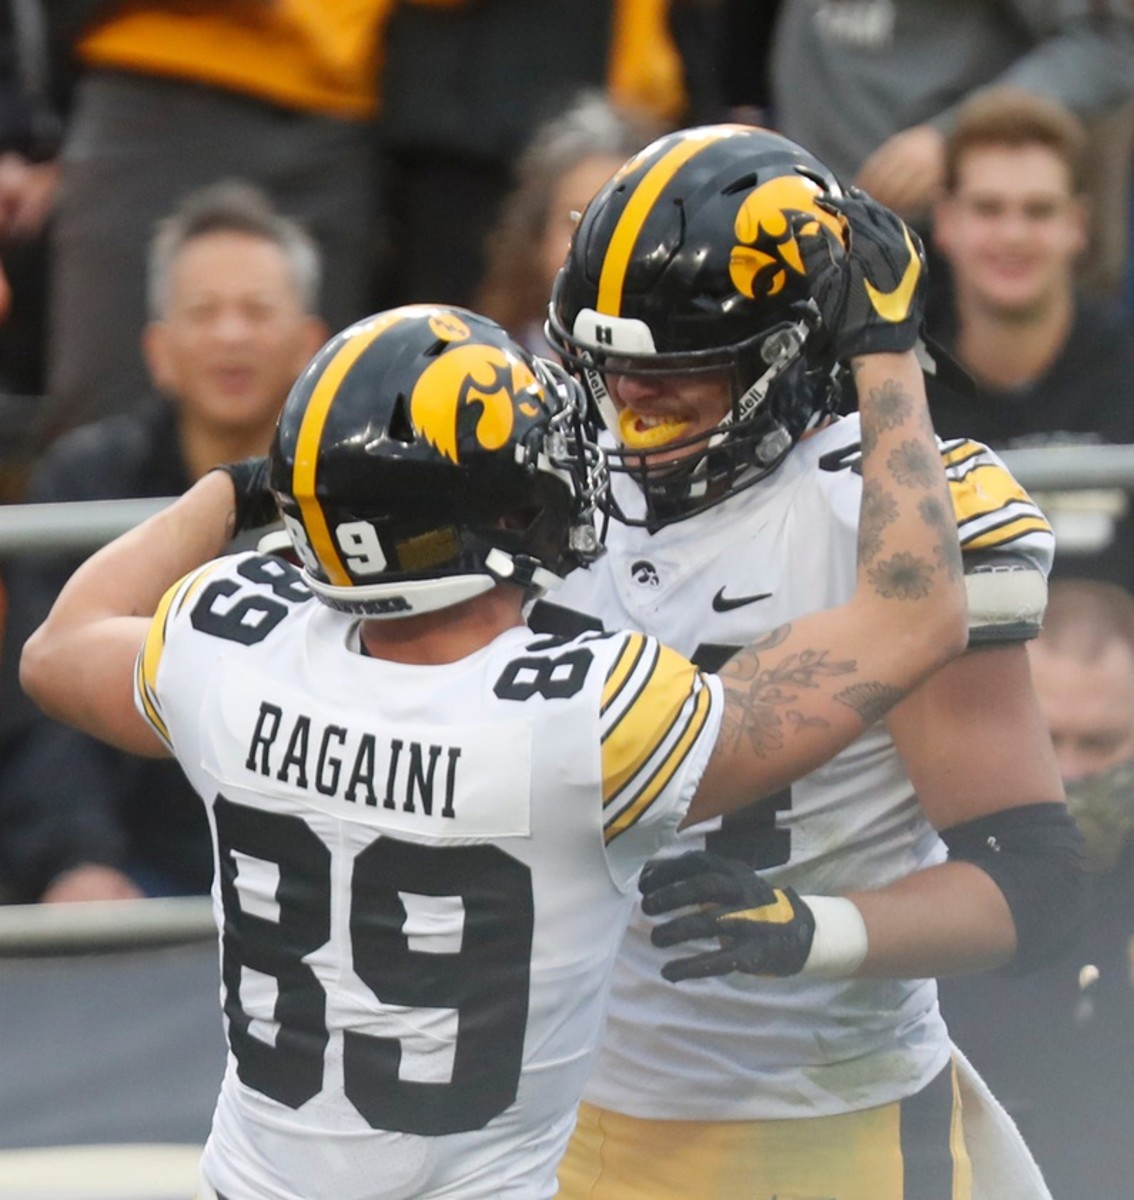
427 819
739 1076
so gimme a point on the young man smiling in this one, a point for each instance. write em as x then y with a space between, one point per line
1052 363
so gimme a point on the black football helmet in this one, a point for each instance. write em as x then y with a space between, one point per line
423 457
686 263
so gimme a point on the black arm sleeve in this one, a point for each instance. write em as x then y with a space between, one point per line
1034 855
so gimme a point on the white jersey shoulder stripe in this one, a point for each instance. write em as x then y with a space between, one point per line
666 763
656 705
631 654
626 680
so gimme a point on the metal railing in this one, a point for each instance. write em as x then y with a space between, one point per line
85 525
33 930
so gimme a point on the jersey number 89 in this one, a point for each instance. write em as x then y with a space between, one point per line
485 980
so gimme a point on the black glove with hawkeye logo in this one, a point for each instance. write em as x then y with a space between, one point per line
870 292
762 930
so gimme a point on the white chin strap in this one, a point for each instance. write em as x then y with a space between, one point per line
412 597
409 598
503 567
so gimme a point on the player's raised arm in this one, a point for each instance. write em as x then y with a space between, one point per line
79 665
804 691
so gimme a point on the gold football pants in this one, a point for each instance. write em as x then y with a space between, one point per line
910 1150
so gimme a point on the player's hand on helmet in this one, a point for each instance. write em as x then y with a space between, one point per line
761 930
255 503
870 293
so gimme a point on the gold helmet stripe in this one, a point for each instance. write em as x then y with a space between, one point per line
638 209
311 435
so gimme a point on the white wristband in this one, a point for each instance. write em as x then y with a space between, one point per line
840 941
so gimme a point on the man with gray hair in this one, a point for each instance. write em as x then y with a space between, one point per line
232 291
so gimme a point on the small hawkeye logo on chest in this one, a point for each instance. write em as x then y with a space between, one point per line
645 573
723 603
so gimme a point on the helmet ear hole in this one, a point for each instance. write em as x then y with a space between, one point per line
744 184
518 520
401 427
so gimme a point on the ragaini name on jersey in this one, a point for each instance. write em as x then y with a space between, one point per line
456 781
353 765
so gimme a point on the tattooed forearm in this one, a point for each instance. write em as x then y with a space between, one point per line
872 701
760 697
878 510
890 407
940 518
903 577
912 465
912 462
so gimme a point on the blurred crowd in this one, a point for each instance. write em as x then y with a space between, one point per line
193 192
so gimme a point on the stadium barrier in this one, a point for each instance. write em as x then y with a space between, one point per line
1097 473
32 930
85 525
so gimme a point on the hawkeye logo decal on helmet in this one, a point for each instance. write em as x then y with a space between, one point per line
759 266
894 306
471 375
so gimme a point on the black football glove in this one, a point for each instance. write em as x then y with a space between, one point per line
762 930
255 504
870 294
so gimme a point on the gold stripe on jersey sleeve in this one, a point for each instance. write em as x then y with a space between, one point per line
1007 531
310 437
149 705
984 490
634 734
149 657
957 453
637 210
623 668
665 770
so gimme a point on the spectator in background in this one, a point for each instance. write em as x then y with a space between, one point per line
1057 1047
1083 667
173 97
466 84
34 93
1051 364
872 87
5 294
233 288
568 159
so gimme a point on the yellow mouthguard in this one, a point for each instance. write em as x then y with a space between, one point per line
648 437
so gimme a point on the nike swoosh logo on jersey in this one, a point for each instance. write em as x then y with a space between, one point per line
723 603
893 306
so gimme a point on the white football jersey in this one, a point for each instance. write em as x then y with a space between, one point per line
423 875
742 1047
